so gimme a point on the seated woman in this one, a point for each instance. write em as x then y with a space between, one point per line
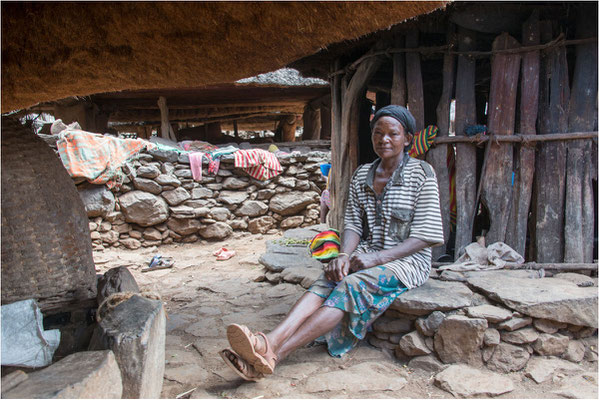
392 220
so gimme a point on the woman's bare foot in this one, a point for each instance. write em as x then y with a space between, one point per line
240 366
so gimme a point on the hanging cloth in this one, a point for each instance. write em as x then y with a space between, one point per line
258 163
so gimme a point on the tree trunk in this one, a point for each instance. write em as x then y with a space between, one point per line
398 88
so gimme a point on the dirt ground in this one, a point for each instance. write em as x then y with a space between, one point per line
202 296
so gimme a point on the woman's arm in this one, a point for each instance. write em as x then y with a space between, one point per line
368 260
337 269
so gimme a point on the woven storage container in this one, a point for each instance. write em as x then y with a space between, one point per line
46 245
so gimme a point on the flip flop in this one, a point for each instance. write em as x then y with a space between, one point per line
225 255
250 373
243 341
219 251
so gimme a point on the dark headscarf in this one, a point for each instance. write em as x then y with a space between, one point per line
405 118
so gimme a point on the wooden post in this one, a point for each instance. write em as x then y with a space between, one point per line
382 99
525 157
345 160
465 114
325 122
437 156
311 123
579 212
166 130
414 80
214 133
335 174
398 88
497 184
554 93
287 124
236 129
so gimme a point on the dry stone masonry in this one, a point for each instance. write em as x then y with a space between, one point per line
160 203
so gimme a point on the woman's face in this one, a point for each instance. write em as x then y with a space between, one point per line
389 138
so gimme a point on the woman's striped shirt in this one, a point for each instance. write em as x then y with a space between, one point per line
408 207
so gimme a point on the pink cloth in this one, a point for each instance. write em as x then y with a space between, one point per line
195 161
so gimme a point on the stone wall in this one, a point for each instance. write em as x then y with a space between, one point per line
444 322
160 203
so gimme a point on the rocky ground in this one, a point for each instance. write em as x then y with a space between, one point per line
202 296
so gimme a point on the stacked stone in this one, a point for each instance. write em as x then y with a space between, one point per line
445 322
161 203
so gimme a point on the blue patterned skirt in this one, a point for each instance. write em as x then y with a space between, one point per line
364 296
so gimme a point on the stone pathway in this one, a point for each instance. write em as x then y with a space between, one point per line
203 296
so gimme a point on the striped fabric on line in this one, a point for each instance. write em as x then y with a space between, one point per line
408 207
259 164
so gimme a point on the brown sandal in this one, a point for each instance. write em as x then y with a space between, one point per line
243 341
245 370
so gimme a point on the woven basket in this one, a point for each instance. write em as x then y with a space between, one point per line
46 245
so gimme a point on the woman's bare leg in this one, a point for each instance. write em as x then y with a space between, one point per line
320 322
301 310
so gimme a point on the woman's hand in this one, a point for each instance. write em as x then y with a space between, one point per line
337 269
362 261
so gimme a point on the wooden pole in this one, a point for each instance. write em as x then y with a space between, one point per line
311 123
398 88
525 156
497 184
579 209
236 129
325 122
437 156
465 114
546 266
166 131
516 138
414 80
288 124
347 157
551 159
336 156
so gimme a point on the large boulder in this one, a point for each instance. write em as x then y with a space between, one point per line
291 203
142 208
261 224
184 226
176 196
549 298
217 230
232 198
97 199
434 295
507 358
459 339
252 208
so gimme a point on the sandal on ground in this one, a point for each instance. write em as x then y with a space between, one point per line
244 342
219 251
245 370
225 255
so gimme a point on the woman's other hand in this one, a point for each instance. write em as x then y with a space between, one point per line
362 261
337 269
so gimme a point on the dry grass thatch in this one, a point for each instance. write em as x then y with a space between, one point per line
54 50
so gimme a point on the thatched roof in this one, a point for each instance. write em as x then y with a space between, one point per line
55 50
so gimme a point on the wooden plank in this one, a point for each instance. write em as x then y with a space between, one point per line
497 184
414 80
525 156
437 156
398 87
465 114
345 159
554 94
579 212
516 138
